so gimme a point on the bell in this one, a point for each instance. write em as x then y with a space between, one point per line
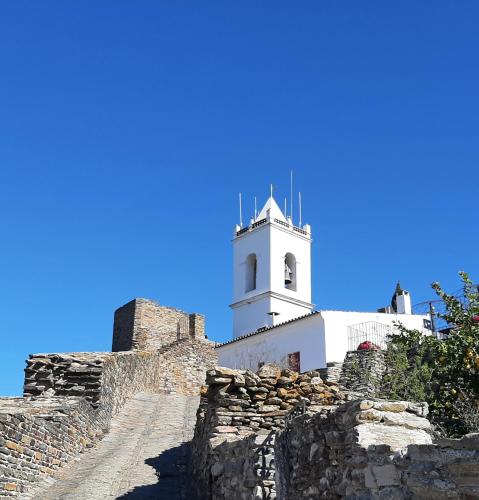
287 274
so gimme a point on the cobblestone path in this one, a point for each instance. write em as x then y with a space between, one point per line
147 438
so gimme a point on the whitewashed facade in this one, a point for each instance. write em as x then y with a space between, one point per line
273 317
261 253
319 338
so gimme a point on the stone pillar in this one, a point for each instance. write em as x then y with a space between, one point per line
123 327
362 371
197 325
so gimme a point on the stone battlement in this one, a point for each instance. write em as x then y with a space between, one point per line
145 325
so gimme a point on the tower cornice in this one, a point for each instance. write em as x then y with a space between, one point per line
273 295
304 233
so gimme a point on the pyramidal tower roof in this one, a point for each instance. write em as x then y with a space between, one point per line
274 211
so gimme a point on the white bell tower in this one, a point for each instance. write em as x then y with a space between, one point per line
272 271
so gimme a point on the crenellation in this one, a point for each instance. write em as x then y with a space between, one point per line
197 325
145 325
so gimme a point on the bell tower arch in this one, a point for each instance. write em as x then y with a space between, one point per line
271 271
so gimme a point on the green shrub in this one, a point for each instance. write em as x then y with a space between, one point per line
444 373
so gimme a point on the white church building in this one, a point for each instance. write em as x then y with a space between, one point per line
274 319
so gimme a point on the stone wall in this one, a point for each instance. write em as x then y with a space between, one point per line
278 434
71 398
239 414
362 371
65 374
360 450
332 372
124 335
446 469
145 325
327 454
179 367
39 436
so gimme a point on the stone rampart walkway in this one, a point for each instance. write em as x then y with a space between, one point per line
143 456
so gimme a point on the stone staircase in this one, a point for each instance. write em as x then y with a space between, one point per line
143 456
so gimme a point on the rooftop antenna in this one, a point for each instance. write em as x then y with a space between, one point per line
255 209
271 189
300 214
291 193
241 211
285 207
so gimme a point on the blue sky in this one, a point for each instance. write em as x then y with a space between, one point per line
128 128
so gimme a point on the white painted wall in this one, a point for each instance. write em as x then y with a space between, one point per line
403 303
274 345
337 322
270 242
320 338
249 316
287 310
257 242
283 241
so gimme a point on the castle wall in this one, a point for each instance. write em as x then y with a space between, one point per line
145 325
124 324
327 453
39 436
71 398
65 374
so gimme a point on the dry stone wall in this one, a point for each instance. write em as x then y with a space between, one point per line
373 449
65 374
39 436
239 414
362 371
346 452
279 434
332 371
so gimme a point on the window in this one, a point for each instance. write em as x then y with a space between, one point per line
290 271
294 361
251 270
